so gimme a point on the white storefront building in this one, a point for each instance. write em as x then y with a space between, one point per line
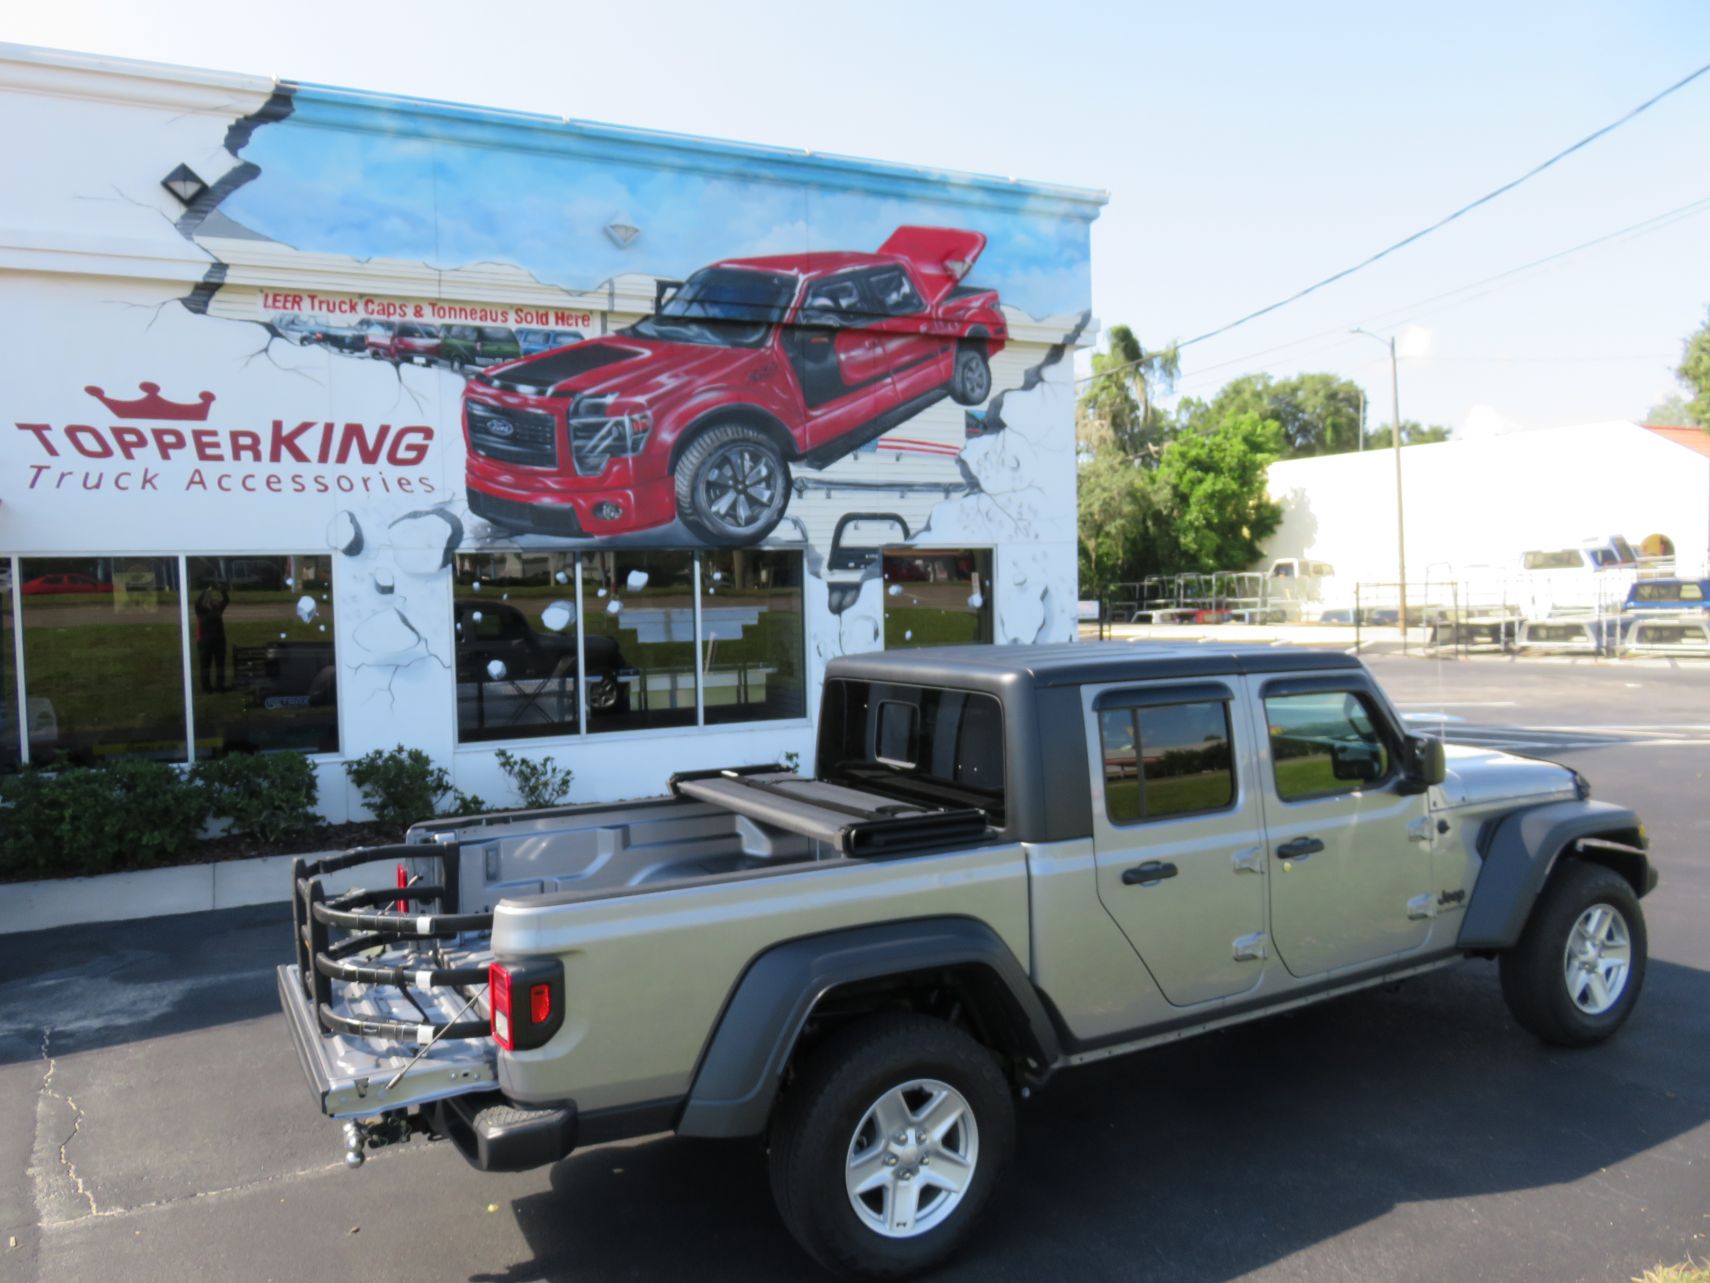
337 421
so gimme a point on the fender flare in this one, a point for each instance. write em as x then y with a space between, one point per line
734 412
737 1079
1524 848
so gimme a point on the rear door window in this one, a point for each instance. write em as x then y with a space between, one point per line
1166 761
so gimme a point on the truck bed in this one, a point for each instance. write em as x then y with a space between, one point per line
384 973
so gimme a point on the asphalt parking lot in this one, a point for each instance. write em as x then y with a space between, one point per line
154 1123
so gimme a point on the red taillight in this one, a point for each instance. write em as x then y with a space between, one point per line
403 881
499 1001
538 984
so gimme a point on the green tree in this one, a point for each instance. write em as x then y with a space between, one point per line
1317 413
1671 412
1694 372
1119 406
1412 433
1214 492
1110 500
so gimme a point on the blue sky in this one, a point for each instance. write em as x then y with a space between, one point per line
328 188
1249 148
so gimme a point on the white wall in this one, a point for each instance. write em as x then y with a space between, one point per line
1482 503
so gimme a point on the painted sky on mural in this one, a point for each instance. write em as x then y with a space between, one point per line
451 204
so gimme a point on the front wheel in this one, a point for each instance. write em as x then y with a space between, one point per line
1577 970
971 377
889 1144
732 486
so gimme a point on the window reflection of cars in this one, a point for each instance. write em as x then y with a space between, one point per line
491 632
287 674
531 341
59 584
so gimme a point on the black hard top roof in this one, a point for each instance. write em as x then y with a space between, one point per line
1080 663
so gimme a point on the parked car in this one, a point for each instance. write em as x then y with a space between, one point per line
1010 861
300 329
749 366
407 341
467 347
347 338
531 342
62 583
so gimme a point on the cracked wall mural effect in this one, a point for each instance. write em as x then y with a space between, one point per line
831 366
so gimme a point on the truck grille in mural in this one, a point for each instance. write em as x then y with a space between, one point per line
514 436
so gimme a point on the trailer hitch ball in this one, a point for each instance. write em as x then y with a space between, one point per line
354 1137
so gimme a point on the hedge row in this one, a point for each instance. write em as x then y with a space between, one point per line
79 820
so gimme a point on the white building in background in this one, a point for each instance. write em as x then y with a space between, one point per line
1474 507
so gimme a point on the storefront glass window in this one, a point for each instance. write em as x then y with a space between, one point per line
9 743
261 654
103 658
514 618
638 621
751 636
937 597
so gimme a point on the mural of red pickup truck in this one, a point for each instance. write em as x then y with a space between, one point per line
751 365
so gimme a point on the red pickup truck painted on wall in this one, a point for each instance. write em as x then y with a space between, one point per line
750 365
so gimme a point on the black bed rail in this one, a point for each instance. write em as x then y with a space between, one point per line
332 933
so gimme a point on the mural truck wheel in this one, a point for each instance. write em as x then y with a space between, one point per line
971 381
732 486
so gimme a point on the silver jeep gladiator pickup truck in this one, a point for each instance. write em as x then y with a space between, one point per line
1009 861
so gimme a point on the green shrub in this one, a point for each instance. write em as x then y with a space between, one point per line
84 820
399 785
538 781
269 797
467 804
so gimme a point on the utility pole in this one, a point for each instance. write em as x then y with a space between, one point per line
1395 441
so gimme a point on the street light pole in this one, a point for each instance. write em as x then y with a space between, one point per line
1395 441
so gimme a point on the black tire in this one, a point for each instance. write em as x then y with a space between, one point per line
971 376
733 485
817 1124
1535 978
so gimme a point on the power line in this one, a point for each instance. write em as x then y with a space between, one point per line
1396 314
1489 196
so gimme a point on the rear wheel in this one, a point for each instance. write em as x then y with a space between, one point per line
889 1145
732 485
1577 970
971 376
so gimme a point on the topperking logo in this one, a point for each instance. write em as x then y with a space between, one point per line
151 443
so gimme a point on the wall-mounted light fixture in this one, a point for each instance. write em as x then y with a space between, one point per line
185 184
622 231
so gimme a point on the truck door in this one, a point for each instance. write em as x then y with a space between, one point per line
1178 834
836 360
1349 853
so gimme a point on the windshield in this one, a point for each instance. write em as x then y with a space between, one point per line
722 306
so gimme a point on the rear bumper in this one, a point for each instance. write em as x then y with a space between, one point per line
498 1136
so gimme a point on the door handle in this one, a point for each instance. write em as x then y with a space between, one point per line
1148 874
1299 848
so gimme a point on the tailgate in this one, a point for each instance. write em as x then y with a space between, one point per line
386 1004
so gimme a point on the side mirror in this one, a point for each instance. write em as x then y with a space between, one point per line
1428 766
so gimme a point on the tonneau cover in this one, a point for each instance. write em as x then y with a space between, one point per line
852 821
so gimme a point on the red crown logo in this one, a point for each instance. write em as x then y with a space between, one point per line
151 405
